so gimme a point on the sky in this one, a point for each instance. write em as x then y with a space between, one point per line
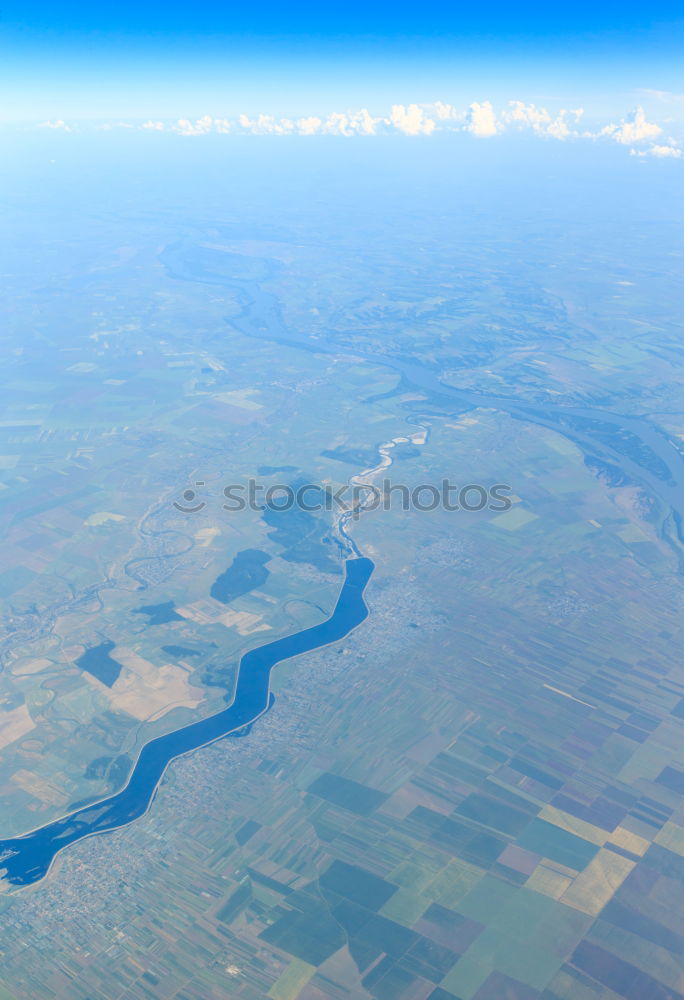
358 68
84 60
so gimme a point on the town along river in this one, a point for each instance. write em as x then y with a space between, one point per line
27 859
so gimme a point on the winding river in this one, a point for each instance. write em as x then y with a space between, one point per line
27 859
627 448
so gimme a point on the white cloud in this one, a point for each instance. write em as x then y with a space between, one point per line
309 126
527 115
202 126
665 151
633 128
411 120
481 120
57 124
558 128
337 123
266 125
522 115
351 123
446 112
671 150
363 122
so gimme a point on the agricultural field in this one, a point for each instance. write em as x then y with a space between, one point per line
473 794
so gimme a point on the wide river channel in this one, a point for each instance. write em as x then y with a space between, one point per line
630 447
28 858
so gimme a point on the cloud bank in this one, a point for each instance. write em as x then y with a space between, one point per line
480 119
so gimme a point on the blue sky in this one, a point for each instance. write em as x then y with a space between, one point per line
84 60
